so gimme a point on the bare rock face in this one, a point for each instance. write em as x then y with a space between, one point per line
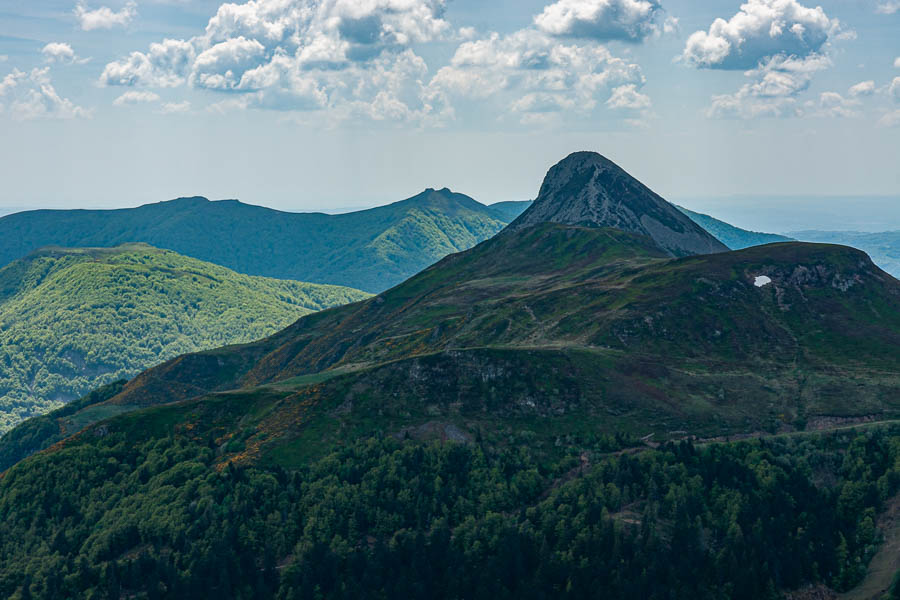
589 190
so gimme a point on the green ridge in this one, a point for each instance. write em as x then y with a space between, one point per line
74 319
370 249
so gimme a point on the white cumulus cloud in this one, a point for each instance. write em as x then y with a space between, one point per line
300 55
831 104
894 89
175 107
31 95
773 90
165 64
530 72
888 7
357 59
891 119
11 81
863 88
604 20
60 52
745 105
223 65
136 97
761 29
627 96
780 45
897 63
104 17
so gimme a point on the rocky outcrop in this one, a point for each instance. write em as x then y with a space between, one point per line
589 190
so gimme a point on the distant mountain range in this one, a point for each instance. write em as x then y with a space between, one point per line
509 210
73 319
883 247
786 213
733 237
370 250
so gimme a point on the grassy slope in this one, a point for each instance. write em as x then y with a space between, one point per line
555 285
370 250
71 320
513 396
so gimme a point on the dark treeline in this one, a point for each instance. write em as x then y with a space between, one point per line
384 518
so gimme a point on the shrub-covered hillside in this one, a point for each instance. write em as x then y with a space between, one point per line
71 320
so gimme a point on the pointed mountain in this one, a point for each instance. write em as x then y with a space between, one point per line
589 190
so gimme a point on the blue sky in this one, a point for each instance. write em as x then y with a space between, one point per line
301 104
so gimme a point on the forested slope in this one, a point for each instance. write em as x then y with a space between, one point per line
74 319
142 513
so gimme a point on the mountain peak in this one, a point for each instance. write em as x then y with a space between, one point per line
587 156
445 199
589 190
187 200
445 191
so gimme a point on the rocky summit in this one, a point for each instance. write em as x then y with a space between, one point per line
589 190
